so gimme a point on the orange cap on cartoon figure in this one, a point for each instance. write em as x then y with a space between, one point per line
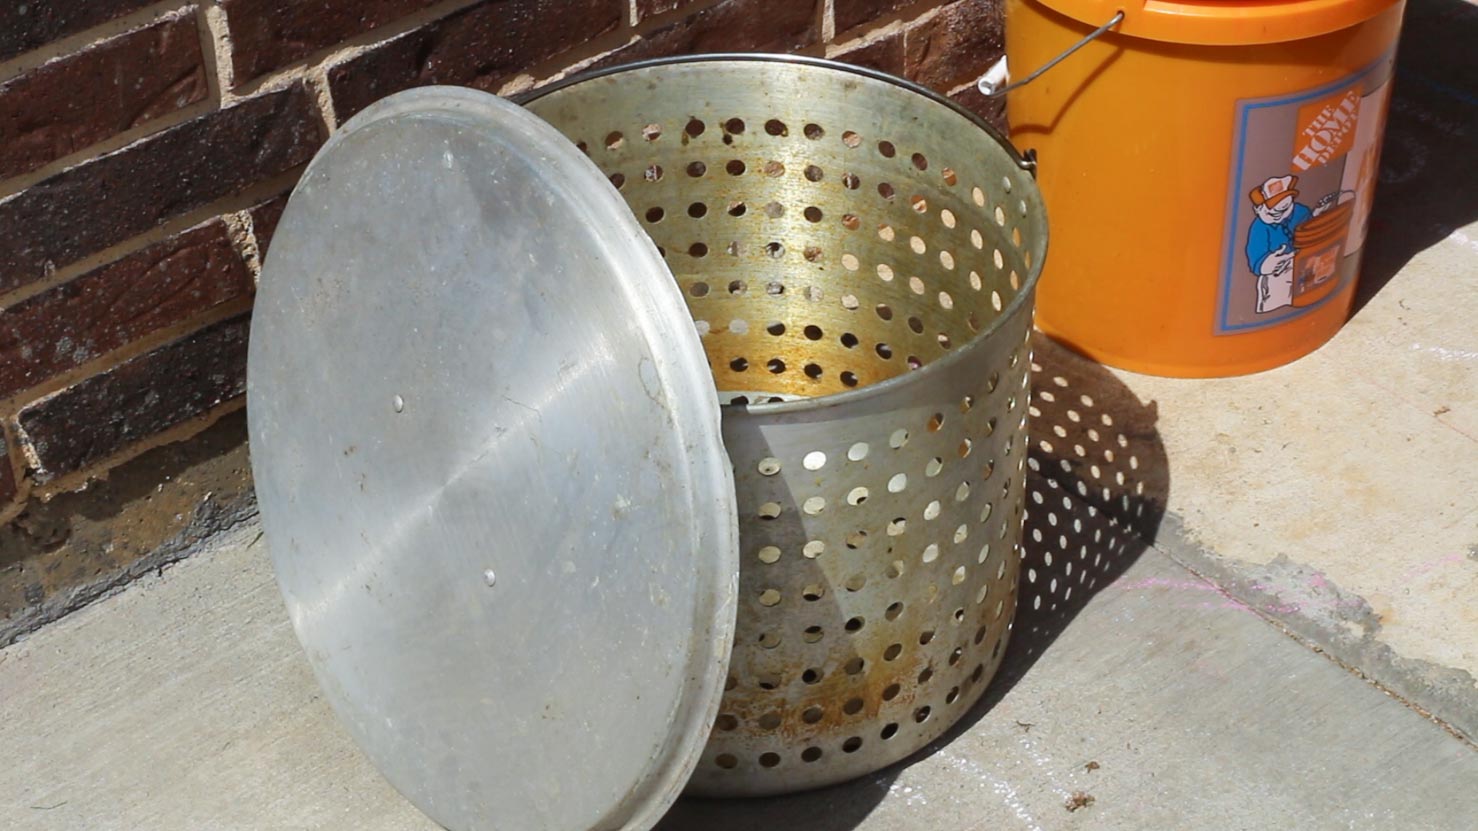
1274 190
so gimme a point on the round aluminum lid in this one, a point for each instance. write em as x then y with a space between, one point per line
489 464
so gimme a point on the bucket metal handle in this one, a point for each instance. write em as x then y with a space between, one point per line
990 83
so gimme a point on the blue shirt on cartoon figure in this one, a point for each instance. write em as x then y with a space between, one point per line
1270 236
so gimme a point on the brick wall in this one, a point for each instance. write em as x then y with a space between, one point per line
145 148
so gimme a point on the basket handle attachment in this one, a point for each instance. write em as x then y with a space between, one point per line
991 83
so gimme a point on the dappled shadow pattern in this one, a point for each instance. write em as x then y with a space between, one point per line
1096 487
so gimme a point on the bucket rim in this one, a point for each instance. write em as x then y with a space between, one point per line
1225 22
1022 299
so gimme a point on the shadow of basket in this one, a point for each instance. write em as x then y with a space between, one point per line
1097 481
1096 486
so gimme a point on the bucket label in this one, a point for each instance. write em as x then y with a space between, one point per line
1303 174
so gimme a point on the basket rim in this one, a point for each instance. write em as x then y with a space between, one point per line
887 385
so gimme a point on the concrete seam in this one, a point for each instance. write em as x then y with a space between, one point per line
1312 645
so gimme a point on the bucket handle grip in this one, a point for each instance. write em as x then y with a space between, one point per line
990 83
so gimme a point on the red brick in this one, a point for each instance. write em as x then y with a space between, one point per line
86 97
27 24
481 47
264 221
955 46
105 414
648 8
107 200
268 34
731 26
885 54
116 304
990 109
853 13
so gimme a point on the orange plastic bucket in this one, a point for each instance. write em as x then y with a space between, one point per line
1208 167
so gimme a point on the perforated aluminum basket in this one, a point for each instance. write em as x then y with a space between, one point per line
859 256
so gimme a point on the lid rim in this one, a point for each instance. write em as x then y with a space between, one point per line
711 494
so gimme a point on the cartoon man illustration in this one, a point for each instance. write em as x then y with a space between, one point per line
1270 248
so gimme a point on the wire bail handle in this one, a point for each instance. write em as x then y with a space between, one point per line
990 83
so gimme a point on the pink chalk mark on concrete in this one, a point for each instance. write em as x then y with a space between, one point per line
1432 565
1164 583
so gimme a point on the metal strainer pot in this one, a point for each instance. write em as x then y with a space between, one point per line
859 256
492 468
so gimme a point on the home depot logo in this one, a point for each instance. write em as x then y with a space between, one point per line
1326 129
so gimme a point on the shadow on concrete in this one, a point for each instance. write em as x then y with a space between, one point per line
1096 488
1097 481
1428 180
61 554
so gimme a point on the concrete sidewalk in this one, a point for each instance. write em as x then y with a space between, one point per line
185 703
